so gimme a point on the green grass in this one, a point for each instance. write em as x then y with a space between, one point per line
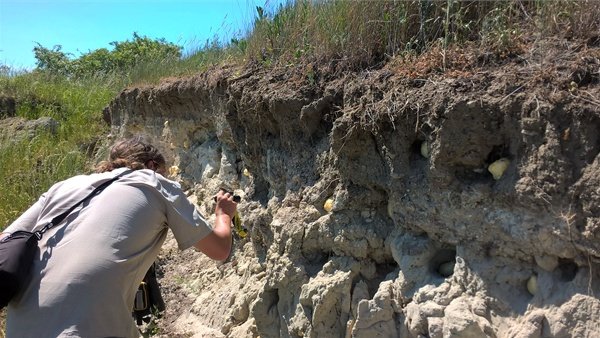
29 166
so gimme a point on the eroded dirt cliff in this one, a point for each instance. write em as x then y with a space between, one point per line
418 238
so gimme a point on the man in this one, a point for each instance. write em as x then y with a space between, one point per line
89 267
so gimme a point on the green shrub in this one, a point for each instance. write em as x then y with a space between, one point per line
124 56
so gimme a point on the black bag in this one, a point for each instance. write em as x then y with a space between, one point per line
16 255
148 299
18 250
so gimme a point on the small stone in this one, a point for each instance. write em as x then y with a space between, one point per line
390 209
425 149
328 205
548 263
499 167
532 284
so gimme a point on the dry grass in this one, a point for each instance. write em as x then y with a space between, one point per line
358 34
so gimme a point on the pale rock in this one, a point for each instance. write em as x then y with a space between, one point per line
548 263
461 322
435 327
327 297
190 325
246 330
531 328
375 317
360 292
415 320
577 317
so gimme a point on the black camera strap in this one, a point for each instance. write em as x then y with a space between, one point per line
58 219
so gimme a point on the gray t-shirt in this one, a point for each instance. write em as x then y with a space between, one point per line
84 281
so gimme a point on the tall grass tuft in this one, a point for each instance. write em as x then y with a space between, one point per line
198 60
31 163
365 33
29 167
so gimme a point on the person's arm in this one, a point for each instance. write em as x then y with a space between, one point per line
217 244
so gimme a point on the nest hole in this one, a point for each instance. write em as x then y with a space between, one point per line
497 162
415 148
567 269
498 152
468 176
442 263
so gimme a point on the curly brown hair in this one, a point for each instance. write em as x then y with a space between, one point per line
134 153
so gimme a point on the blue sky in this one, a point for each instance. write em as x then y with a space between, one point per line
83 25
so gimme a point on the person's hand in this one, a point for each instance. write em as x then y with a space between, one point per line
3 235
225 204
217 245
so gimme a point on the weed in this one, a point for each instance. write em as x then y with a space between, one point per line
361 33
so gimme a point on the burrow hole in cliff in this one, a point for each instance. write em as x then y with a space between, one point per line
419 156
484 174
567 269
498 152
442 263
415 149
315 262
421 147
383 271
261 190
